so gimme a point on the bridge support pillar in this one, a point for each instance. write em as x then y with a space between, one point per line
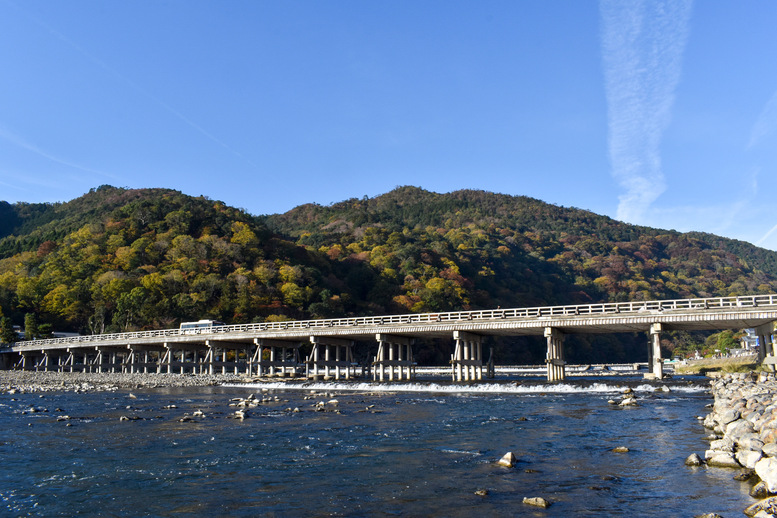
654 352
281 358
67 366
330 356
394 359
766 354
555 355
47 361
467 359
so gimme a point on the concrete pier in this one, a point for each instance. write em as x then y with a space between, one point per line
655 361
276 357
766 356
146 357
331 357
394 359
555 355
467 359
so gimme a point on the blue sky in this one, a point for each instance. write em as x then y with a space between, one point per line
657 113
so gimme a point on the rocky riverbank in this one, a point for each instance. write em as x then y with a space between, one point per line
744 425
29 381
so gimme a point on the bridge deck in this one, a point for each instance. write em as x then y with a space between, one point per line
621 317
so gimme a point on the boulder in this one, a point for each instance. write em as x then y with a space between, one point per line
759 491
768 506
725 444
748 458
738 428
766 469
769 435
723 460
750 441
770 450
694 460
620 449
745 474
508 460
629 401
536 501
727 416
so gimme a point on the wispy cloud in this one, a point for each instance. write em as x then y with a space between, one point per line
764 126
642 47
766 123
17 140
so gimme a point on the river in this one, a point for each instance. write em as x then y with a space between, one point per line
414 449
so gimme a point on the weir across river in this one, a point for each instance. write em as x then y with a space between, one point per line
273 348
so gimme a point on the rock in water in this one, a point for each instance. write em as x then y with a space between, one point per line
694 460
536 501
508 460
620 449
745 474
723 460
759 491
766 507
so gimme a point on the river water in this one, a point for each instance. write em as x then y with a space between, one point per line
420 449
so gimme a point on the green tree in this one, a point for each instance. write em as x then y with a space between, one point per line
7 334
31 327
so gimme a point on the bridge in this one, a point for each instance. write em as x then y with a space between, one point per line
273 348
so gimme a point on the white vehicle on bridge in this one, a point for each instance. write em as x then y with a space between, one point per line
199 326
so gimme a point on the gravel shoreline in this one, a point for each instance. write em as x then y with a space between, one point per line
18 382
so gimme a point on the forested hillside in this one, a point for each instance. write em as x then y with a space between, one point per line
118 259
484 249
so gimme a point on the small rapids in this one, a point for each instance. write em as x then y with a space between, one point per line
475 388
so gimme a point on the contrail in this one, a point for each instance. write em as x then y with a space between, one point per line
766 236
642 46
127 81
766 123
18 141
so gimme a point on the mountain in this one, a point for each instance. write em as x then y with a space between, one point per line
514 250
120 259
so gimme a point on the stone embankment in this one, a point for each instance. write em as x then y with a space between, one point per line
744 425
29 381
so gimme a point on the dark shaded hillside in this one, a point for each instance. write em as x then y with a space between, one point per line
518 250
